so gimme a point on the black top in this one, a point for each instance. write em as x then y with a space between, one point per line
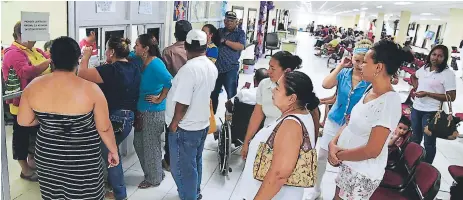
121 84
461 44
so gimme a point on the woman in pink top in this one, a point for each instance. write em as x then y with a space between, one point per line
21 63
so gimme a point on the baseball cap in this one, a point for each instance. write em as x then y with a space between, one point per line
182 26
230 15
196 35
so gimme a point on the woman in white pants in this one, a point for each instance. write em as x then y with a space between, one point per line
350 88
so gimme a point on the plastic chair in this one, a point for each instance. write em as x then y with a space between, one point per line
399 179
426 185
456 190
272 42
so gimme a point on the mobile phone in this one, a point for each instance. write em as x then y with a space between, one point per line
247 85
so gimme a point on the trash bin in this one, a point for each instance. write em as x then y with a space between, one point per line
248 66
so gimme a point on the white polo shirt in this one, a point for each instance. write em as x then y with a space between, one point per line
192 86
433 82
264 98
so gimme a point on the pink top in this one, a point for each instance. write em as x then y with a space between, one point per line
15 57
84 43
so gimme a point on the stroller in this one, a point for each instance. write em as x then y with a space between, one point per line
233 131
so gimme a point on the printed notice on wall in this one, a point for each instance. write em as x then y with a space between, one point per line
145 7
105 6
35 26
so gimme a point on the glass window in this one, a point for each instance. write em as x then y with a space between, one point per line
215 9
198 10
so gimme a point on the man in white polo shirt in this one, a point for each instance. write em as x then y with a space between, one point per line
187 115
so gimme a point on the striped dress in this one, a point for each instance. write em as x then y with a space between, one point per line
68 157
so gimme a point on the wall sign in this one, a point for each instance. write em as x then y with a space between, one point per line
35 26
105 6
145 7
180 10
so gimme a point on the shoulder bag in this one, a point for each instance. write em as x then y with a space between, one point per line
443 125
305 171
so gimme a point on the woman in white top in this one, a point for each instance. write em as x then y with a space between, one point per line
280 63
293 95
360 148
435 80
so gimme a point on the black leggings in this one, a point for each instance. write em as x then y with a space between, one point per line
23 140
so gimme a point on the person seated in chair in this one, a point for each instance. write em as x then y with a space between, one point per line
330 46
248 95
402 128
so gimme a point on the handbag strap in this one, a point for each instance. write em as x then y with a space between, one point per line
306 144
449 104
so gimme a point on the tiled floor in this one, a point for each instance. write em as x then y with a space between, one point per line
215 186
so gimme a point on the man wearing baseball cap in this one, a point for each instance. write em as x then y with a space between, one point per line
187 115
233 42
175 57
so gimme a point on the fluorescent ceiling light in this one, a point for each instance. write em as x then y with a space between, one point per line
379 6
364 8
402 3
356 10
427 14
435 19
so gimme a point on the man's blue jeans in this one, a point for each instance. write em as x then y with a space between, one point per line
419 121
229 80
186 162
124 119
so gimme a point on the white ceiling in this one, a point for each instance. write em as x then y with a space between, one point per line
438 9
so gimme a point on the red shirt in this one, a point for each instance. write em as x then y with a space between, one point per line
84 43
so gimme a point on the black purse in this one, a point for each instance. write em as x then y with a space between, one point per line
443 125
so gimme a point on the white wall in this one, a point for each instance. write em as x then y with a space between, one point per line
11 13
304 18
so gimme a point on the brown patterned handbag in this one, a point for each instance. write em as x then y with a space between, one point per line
305 172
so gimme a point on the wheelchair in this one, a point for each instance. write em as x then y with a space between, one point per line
232 132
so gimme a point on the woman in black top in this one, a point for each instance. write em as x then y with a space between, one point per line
119 80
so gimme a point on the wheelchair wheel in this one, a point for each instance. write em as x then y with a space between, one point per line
224 148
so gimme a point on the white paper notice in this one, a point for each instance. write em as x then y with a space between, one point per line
35 26
145 7
105 6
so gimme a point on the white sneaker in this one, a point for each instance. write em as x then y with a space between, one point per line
314 196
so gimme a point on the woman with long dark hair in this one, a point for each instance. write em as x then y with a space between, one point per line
360 147
150 119
213 41
119 80
435 81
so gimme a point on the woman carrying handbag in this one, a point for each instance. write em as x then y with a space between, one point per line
436 84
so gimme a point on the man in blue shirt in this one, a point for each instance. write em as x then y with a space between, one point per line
233 42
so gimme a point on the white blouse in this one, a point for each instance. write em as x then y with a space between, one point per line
433 82
264 98
383 111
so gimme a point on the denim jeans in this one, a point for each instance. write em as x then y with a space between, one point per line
186 150
116 174
230 81
419 121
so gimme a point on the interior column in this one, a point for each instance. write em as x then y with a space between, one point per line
403 27
454 29
379 26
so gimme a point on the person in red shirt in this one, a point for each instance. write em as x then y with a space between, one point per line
90 40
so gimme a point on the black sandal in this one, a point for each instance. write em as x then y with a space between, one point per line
33 177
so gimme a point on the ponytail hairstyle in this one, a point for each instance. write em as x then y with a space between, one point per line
215 34
391 55
120 46
362 46
287 60
147 40
299 83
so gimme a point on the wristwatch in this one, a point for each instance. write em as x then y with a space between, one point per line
224 42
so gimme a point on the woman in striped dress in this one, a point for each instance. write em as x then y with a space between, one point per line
73 116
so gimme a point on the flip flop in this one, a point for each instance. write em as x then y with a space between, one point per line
145 184
33 177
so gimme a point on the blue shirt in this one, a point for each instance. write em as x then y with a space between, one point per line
154 78
228 58
346 99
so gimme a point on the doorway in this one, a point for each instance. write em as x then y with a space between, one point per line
251 24
239 10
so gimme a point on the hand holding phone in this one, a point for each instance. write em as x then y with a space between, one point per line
346 62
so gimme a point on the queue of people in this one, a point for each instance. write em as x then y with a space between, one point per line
81 114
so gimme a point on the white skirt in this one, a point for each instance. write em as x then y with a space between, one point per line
329 131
